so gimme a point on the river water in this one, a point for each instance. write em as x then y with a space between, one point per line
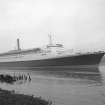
63 87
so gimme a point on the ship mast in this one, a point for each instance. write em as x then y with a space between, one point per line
18 45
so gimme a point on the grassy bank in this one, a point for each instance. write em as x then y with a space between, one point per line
12 98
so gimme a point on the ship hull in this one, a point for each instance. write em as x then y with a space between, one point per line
85 60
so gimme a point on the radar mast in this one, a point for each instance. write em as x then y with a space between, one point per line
50 39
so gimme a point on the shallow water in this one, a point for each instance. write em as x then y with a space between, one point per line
63 87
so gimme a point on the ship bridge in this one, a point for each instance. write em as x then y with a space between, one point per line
54 48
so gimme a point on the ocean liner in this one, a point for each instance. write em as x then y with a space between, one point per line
51 56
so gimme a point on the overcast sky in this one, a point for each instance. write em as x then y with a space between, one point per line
78 24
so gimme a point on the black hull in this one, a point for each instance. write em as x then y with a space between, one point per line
89 60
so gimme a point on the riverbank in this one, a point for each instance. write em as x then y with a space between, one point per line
12 98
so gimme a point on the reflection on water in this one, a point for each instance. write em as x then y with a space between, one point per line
89 74
80 86
86 78
86 74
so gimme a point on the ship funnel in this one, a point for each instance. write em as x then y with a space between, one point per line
18 45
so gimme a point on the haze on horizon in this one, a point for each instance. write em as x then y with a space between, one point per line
78 24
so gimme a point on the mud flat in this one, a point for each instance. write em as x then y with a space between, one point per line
12 98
